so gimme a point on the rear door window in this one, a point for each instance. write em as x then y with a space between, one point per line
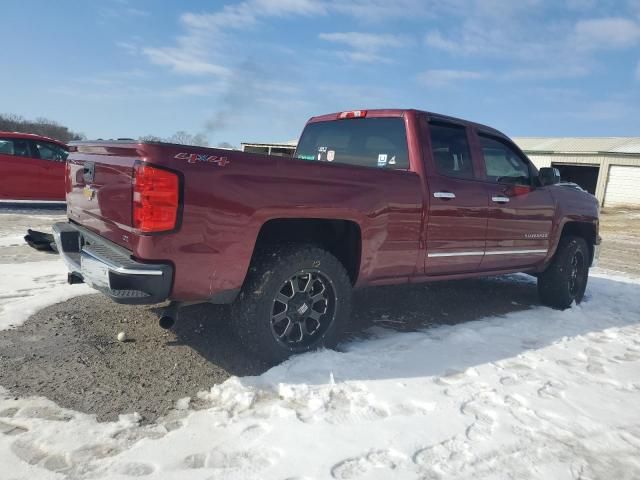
17 147
365 142
49 151
450 149
503 164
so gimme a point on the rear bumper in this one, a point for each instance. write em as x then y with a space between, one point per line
109 268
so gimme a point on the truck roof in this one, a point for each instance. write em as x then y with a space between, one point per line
399 112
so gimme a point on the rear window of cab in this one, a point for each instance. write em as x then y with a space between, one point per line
363 142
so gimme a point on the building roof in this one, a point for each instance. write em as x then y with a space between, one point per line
620 145
290 143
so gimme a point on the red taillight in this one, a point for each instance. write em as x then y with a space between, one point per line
155 199
353 114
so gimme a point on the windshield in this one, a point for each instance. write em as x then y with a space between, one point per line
365 142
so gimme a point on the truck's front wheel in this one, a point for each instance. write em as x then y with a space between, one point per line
296 299
565 279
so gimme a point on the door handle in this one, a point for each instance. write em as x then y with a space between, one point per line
500 199
444 195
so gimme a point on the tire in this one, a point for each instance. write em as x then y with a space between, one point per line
565 279
279 310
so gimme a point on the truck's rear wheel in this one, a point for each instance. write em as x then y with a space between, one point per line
565 279
296 299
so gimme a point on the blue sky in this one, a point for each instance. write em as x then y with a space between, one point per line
257 69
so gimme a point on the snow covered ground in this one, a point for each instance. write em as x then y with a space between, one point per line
533 394
26 288
29 280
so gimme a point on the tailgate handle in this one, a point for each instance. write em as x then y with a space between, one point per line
89 172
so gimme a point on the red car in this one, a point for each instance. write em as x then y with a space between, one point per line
32 168
372 198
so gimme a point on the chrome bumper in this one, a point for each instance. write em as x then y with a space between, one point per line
109 268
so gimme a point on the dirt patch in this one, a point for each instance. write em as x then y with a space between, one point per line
620 231
70 353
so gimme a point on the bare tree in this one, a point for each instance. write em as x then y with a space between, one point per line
150 138
39 126
184 138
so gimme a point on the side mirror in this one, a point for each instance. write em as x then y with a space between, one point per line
549 176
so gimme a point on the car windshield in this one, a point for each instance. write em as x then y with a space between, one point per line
365 142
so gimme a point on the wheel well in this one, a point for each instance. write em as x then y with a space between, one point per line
581 229
340 237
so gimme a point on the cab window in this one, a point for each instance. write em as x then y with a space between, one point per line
503 164
365 142
50 151
450 149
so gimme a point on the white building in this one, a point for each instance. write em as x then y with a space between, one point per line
285 149
608 167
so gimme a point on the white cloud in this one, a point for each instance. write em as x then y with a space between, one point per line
206 33
513 41
601 33
365 47
119 9
537 50
435 39
548 72
364 41
444 78
248 12
289 7
129 47
182 61
361 57
377 10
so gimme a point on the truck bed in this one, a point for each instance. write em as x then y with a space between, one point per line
225 199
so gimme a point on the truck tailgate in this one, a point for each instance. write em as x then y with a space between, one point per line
99 189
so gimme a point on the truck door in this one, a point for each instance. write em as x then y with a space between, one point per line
520 212
457 213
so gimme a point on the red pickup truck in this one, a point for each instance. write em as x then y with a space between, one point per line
372 197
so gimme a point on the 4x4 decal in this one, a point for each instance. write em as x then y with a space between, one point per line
199 157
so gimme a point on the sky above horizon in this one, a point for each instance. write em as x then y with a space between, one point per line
256 70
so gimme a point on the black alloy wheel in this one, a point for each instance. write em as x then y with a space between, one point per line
576 273
296 298
303 309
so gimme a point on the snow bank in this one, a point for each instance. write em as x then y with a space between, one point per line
26 288
12 240
534 394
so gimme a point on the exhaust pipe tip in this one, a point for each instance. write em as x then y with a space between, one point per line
166 322
169 315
